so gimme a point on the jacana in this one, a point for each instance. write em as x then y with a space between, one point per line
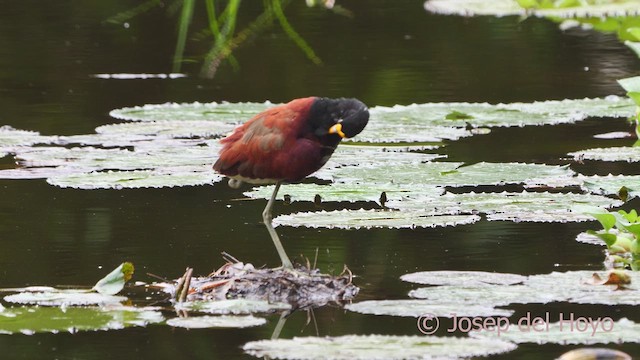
286 143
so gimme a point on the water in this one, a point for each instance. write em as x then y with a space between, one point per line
389 53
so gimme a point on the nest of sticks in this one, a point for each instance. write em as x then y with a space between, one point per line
301 287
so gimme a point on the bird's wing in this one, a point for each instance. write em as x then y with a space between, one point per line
250 150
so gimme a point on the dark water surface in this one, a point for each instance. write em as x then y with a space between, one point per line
391 52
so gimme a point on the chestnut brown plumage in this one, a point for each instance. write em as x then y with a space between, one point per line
286 143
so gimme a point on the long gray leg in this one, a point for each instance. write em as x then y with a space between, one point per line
268 217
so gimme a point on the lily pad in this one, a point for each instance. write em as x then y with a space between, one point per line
462 278
417 308
611 184
57 297
511 7
233 306
168 177
354 347
572 329
572 287
623 153
30 320
169 128
233 113
356 219
14 137
513 206
451 174
224 321
343 192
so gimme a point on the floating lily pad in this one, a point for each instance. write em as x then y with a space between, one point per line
354 347
233 306
224 321
125 76
523 206
417 308
137 179
169 128
611 184
57 297
449 210
462 278
30 320
573 329
356 219
226 112
451 174
614 135
342 192
511 7
623 153
587 238
571 287
14 137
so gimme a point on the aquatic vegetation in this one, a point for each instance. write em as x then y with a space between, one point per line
621 234
221 30
376 347
548 8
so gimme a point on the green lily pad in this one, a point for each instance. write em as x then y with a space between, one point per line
169 177
450 209
623 153
462 278
342 192
57 297
451 174
417 308
571 287
13 137
511 7
224 321
523 206
233 113
30 320
571 329
611 184
361 347
233 306
356 219
169 128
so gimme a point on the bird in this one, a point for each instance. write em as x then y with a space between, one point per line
285 144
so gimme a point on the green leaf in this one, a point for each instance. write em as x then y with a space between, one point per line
528 4
609 239
115 280
635 32
37 319
365 347
606 219
631 84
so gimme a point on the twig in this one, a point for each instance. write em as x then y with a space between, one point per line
187 283
229 258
